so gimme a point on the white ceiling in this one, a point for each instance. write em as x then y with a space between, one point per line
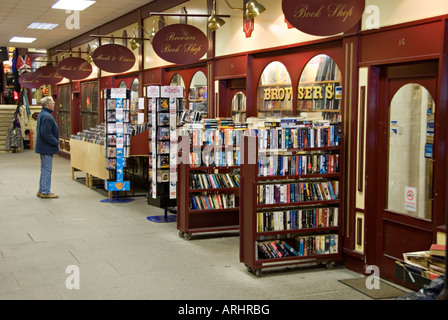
15 16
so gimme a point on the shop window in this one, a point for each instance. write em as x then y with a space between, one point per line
198 95
134 102
274 97
320 89
89 107
64 111
122 85
410 157
239 107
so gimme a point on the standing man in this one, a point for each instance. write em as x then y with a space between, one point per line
47 144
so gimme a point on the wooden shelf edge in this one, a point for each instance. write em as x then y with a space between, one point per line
214 211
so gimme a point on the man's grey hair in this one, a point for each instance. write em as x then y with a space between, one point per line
46 101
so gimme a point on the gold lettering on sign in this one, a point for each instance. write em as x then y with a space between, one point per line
302 12
340 11
334 10
402 41
192 47
103 58
168 49
315 92
277 94
173 37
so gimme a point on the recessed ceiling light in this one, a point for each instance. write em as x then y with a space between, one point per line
22 39
77 5
42 26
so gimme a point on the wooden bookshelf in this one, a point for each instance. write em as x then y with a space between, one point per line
192 219
312 220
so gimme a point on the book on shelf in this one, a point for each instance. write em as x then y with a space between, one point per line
163 175
215 158
163 161
274 249
214 180
297 192
304 135
297 219
163 104
163 119
212 201
111 152
163 147
316 244
438 250
163 133
283 165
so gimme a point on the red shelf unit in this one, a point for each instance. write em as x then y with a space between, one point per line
250 236
192 221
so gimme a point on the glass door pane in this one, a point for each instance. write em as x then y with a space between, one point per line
410 158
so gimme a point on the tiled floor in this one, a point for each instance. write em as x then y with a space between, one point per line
120 254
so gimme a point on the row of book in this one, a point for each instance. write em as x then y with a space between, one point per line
297 192
297 219
212 201
326 134
214 181
316 244
303 246
275 249
217 137
215 158
282 165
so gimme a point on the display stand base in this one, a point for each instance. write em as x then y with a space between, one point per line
117 200
163 219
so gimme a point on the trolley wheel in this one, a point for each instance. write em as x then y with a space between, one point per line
330 265
181 233
187 236
256 272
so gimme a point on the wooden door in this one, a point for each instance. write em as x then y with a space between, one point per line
405 162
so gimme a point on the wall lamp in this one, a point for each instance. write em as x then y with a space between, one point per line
214 21
162 24
253 9
137 42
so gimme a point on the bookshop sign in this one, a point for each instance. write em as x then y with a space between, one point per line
180 43
74 68
323 17
48 75
114 58
28 80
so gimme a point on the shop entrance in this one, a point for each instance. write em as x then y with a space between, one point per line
406 158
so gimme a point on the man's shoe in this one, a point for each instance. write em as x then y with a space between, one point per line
49 196
39 194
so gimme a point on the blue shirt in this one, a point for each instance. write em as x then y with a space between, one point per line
47 133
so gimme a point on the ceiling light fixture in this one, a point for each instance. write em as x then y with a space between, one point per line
137 42
211 19
215 22
22 39
77 5
42 26
253 9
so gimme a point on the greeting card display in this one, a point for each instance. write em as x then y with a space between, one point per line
118 140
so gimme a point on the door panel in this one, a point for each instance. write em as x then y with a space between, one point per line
405 168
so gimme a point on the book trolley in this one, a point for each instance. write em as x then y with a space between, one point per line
291 209
208 187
